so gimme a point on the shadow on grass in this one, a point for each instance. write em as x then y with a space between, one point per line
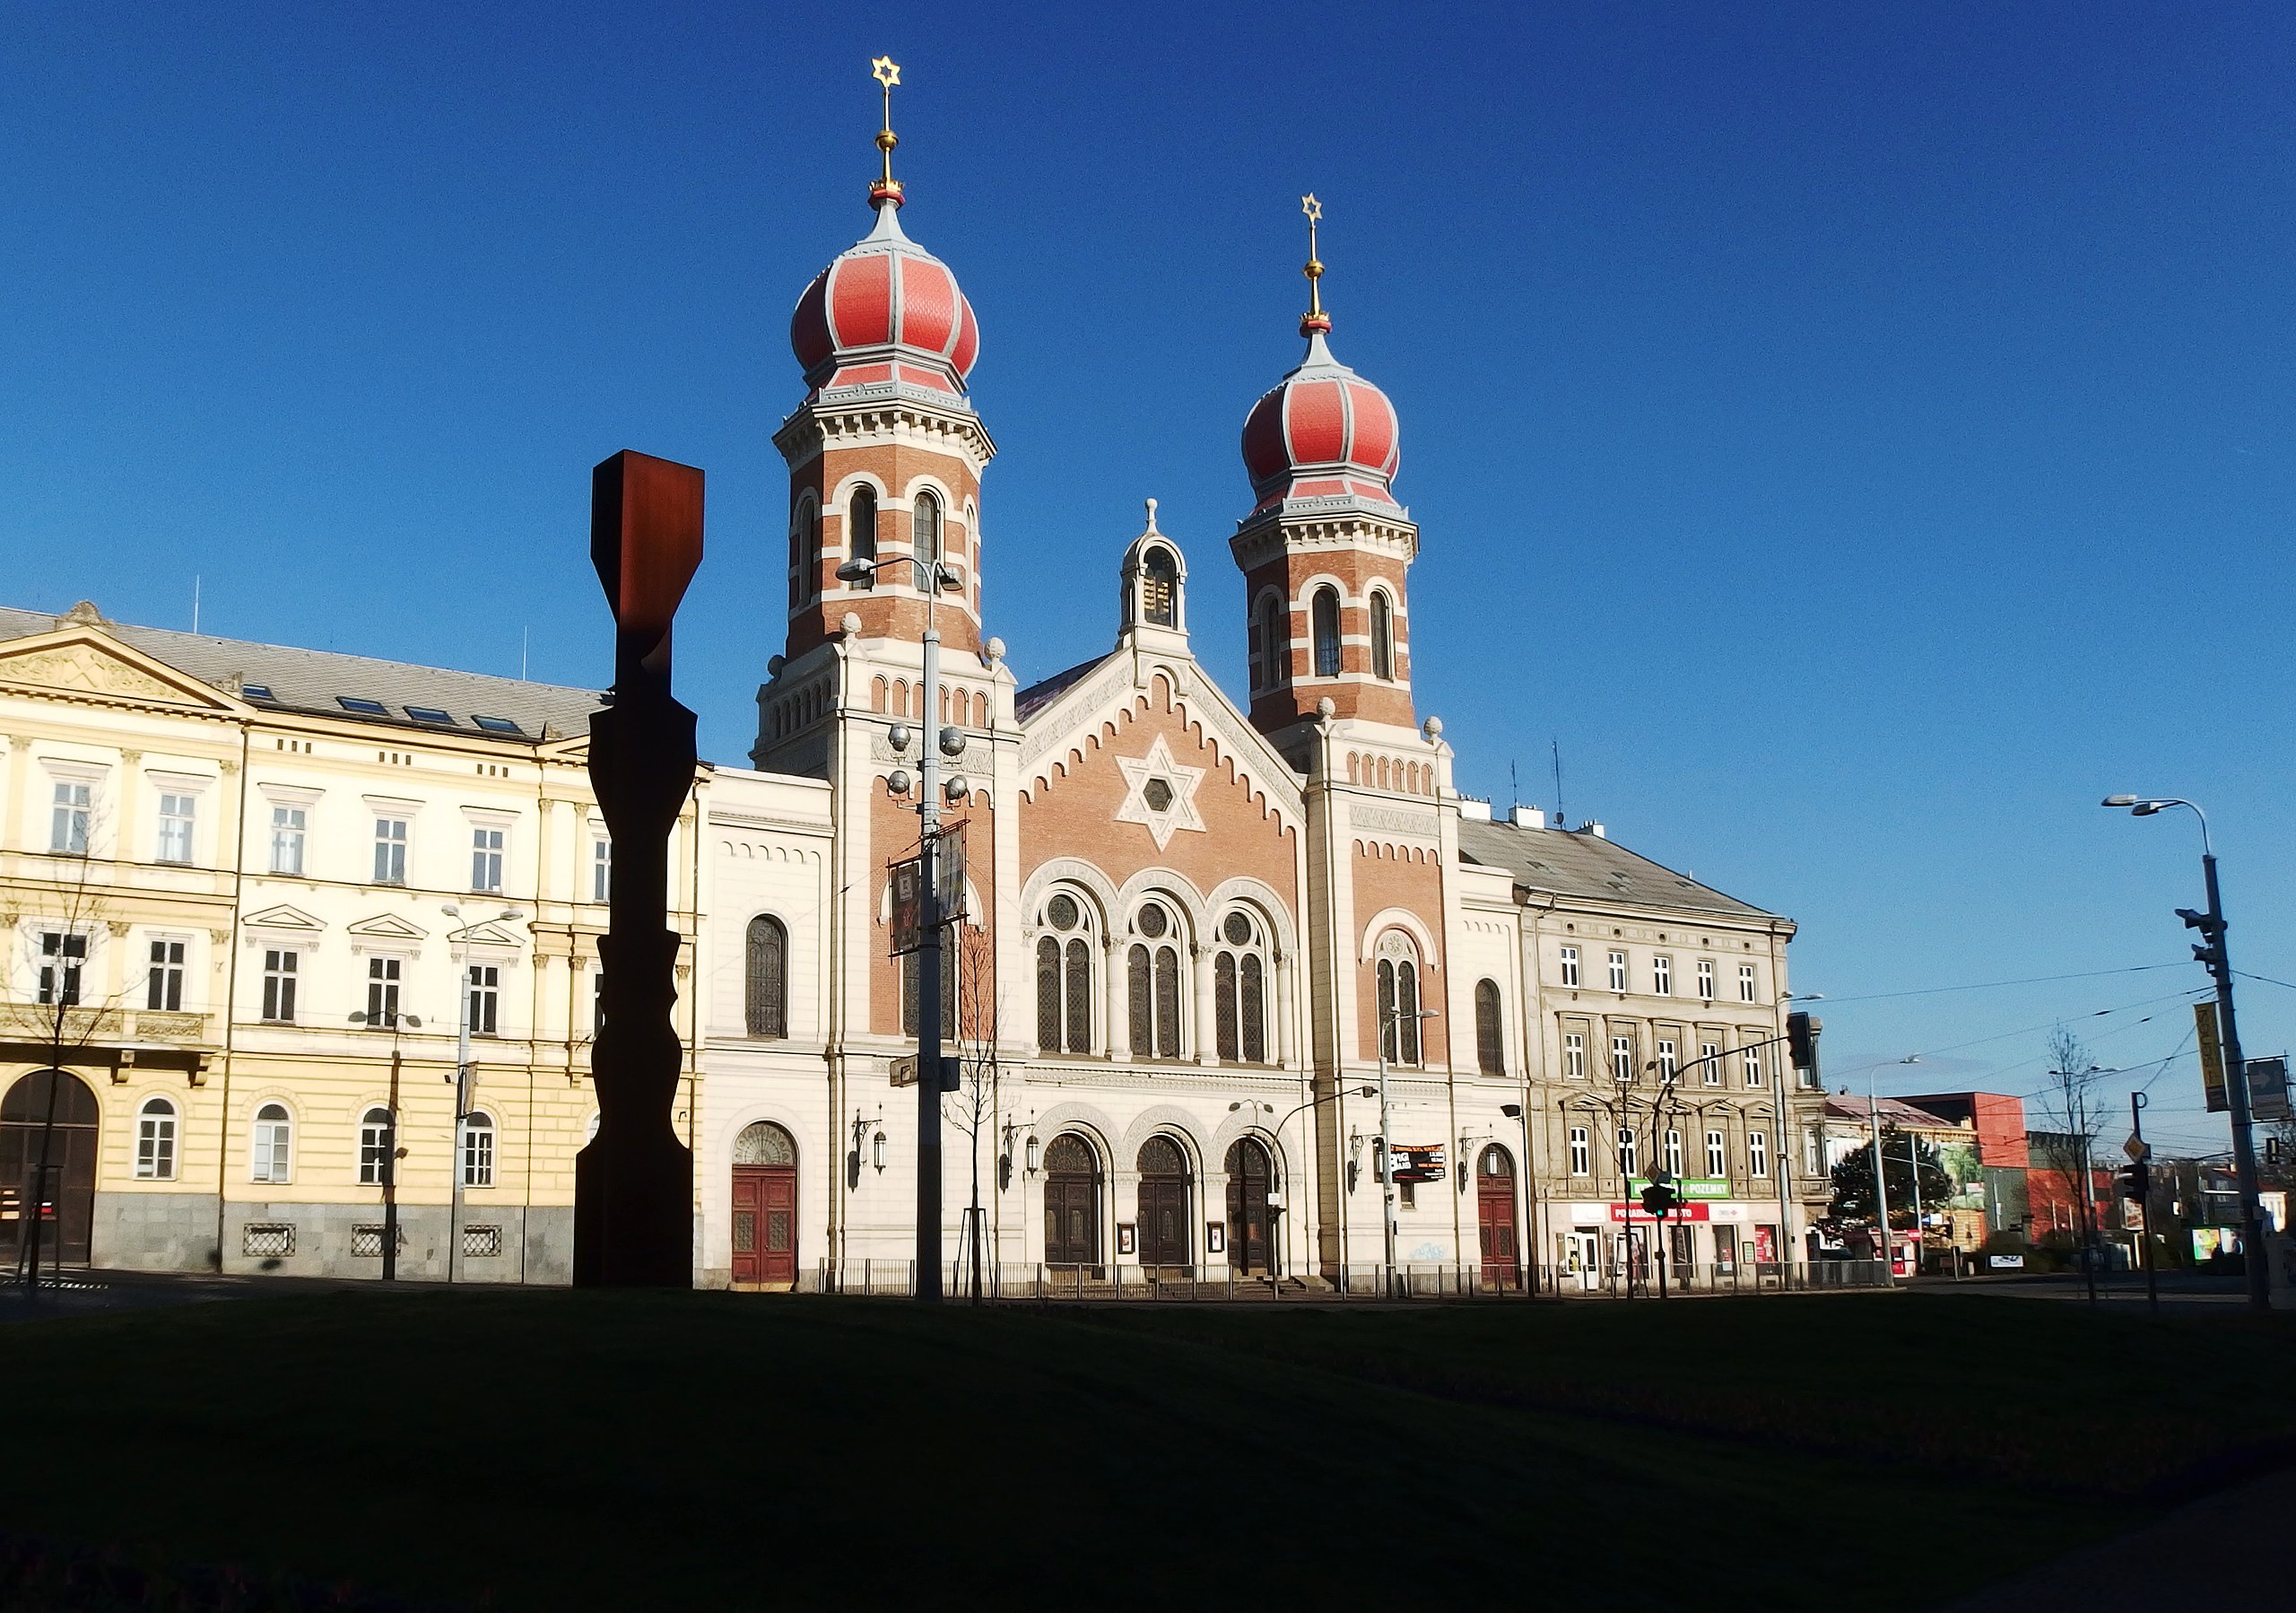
559 1449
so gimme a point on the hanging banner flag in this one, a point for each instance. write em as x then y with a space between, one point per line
2212 1057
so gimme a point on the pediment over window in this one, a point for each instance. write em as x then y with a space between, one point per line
285 916
386 926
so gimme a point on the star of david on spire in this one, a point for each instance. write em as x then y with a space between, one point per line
887 73
1315 319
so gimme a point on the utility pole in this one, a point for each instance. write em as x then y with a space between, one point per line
2142 1169
390 1168
1881 1184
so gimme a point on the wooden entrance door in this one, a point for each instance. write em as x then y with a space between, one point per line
765 1205
1250 1221
60 1105
1494 1206
1072 1203
1165 1234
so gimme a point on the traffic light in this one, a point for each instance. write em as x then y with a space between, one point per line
1801 1042
1660 1197
952 1074
2213 952
2136 1182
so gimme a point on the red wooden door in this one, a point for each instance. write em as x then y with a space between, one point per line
765 1224
1494 1207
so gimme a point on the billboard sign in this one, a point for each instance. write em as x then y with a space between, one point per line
1682 1212
2268 1088
1409 1161
1688 1187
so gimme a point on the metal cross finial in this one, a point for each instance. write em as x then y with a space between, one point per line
887 73
1315 319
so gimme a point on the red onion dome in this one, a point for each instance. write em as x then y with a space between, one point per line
1324 433
885 314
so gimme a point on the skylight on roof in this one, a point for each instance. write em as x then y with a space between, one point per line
498 725
429 714
258 691
363 706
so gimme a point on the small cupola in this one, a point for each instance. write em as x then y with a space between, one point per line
1155 583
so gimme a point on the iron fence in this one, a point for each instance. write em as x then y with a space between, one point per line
1113 1284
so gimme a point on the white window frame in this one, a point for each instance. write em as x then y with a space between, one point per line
1661 975
271 1145
1750 1063
59 975
1709 1063
477 1161
1574 1055
281 985
1621 1058
1578 1151
385 980
393 832
490 848
601 869
482 990
1669 1059
179 826
72 815
1717 1155
1618 971
1746 982
1630 1151
167 974
291 824
156 1122
1674 1153
1569 960
374 1144
1758 1155
1706 980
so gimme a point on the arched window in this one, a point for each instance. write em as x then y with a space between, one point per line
1399 999
1065 976
1489 1033
1239 989
1324 617
1160 588
805 552
861 530
1271 644
765 983
1072 1202
1153 985
763 1143
155 1141
923 538
1383 636
478 1149
374 1144
271 1155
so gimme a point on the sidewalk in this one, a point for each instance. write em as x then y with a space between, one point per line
2224 1547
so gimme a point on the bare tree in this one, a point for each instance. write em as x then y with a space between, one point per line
973 1107
2072 1114
64 1016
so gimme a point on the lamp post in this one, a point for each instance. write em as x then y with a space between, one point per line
463 1084
931 574
2215 953
393 1019
1880 1178
1389 1017
1275 1129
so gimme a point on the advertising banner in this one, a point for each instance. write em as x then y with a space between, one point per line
2212 1057
1688 1187
1417 1162
909 906
1635 1212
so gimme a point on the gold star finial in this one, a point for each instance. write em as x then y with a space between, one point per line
887 73
1315 319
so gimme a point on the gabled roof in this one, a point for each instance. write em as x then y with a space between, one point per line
1894 1111
1587 865
317 681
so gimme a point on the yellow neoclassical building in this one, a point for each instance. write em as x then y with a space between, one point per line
239 884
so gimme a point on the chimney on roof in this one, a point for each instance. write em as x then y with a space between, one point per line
1528 817
1591 827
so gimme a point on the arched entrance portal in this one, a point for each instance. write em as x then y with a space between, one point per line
1072 1203
1251 1219
765 1205
61 1106
1494 1215
1164 1232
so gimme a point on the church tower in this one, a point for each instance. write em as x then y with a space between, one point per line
885 456
1326 550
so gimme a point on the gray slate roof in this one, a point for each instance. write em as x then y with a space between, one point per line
1037 696
1588 865
310 680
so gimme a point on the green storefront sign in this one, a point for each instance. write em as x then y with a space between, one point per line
1688 1187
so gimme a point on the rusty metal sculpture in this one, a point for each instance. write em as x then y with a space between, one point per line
633 1184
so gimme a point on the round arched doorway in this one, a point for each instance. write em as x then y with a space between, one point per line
1251 1217
48 1118
1072 1203
765 1206
1494 1208
1164 1230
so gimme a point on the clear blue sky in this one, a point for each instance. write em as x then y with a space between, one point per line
1838 427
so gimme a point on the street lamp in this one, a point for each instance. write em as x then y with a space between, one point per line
934 575
2219 960
1389 1017
1881 1181
1275 1129
392 1018
460 940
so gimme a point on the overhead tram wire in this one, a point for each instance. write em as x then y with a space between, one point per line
2020 1030
2038 980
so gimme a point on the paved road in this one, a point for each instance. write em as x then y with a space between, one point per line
2206 1552
82 1292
